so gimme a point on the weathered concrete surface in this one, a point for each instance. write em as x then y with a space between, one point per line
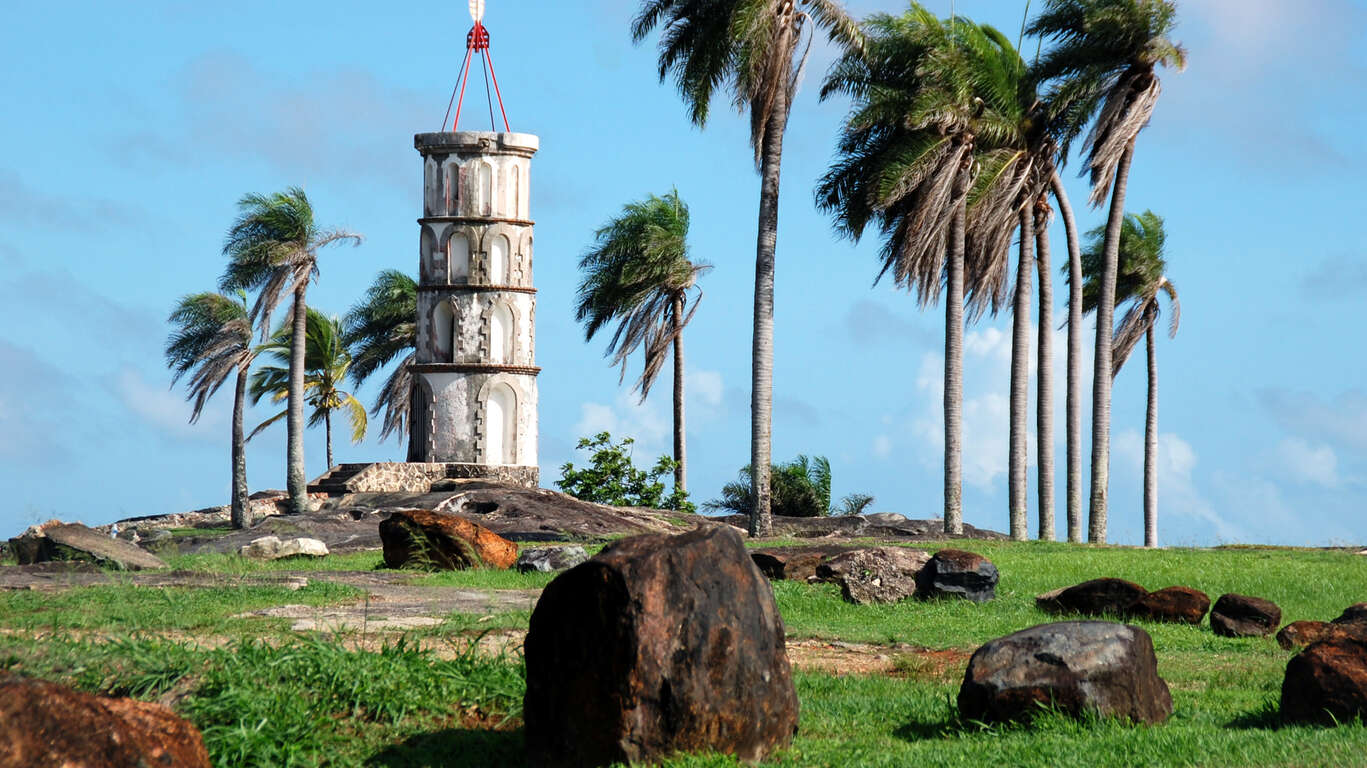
73 541
658 645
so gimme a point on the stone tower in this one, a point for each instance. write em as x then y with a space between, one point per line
474 396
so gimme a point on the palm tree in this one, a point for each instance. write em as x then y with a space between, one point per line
1103 72
1141 277
639 275
749 47
379 329
212 338
802 488
272 248
1073 403
934 151
326 364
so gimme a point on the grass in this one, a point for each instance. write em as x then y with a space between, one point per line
312 702
237 565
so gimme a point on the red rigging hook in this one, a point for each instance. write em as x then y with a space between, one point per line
478 40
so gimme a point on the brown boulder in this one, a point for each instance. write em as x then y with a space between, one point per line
1299 634
660 644
1353 614
1244 616
1327 682
1098 597
45 724
956 573
430 539
794 563
1075 666
1177 604
876 574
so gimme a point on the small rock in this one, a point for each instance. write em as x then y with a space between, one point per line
660 644
956 573
446 542
1327 682
1098 597
54 540
1299 634
550 559
1177 604
46 724
875 575
886 518
1244 616
794 563
1100 666
272 548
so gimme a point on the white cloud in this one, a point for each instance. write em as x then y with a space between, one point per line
882 446
1178 495
167 410
1307 463
647 423
704 388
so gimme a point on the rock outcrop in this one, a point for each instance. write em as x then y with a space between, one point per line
876 574
659 644
46 724
272 548
1327 682
1098 597
1244 616
54 541
550 559
795 563
1074 666
426 539
1182 605
956 573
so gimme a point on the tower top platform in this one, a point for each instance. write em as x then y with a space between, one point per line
477 141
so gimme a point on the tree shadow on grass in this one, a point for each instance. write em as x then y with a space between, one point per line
1268 717
453 748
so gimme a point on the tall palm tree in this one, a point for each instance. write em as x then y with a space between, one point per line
272 248
1073 402
212 338
1102 68
379 329
326 365
1141 278
638 274
749 47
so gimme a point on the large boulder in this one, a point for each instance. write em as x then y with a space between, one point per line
1299 634
46 724
1098 597
794 563
550 559
1327 682
54 541
1244 616
419 537
1353 614
659 644
1074 666
273 548
1183 605
956 573
875 575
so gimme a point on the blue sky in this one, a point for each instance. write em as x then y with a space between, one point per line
132 130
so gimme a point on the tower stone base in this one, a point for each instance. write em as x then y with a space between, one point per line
416 477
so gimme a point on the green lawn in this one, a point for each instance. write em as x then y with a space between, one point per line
310 702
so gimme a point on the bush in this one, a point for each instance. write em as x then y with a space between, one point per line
612 478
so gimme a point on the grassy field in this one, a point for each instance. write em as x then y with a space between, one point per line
308 701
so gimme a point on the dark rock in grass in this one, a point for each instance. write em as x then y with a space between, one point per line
46 724
794 563
421 538
1074 666
1353 614
1299 634
1183 605
550 559
1244 616
659 644
1327 682
956 573
876 574
1098 597
55 541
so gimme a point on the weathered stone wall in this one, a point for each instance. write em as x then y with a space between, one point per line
417 477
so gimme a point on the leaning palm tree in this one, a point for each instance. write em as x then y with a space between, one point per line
1102 70
380 329
212 338
638 274
326 365
749 47
273 247
1141 277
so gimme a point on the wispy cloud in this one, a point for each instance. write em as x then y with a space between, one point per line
1178 493
1305 462
1336 278
869 322
24 205
167 411
33 397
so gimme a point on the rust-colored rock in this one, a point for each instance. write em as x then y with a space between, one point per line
1182 605
1098 597
431 539
1353 614
660 644
1327 682
875 574
46 725
794 563
1244 616
956 573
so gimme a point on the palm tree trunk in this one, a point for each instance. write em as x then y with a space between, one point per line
1074 397
327 426
296 482
1101 374
1020 381
954 373
1044 413
762 354
680 449
1151 449
238 509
